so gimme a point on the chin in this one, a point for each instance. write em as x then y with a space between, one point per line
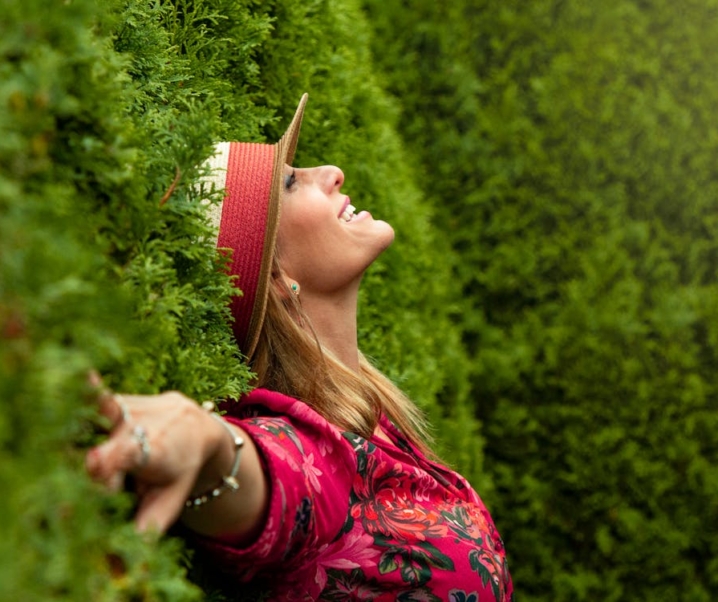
381 238
383 244
387 235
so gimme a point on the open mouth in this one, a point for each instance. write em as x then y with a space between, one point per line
348 214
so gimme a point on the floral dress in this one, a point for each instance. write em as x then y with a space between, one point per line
358 519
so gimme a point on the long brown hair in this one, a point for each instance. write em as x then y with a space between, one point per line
289 359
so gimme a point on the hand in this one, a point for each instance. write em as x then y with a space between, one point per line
164 441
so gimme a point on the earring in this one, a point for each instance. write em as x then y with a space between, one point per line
295 289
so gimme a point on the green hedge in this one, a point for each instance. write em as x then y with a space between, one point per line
108 109
570 150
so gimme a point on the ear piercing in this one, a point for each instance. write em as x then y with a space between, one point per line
295 289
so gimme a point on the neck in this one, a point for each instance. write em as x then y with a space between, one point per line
334 319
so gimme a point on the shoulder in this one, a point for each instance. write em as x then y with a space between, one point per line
263 406
282 420
310 467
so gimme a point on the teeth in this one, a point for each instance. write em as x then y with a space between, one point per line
348 213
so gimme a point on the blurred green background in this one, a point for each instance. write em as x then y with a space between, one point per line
550 170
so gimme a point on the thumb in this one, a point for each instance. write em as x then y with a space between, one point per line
160 507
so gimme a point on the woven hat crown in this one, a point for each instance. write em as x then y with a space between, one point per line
247 220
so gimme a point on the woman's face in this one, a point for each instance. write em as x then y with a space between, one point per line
322 242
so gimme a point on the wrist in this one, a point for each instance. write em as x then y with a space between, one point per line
219 474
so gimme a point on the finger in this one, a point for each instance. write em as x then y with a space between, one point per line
118 455
113 481
160 507
98 391
98 394
114 407
94 379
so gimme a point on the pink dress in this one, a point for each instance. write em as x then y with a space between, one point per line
358 519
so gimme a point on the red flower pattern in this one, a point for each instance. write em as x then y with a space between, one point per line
378 520
389 507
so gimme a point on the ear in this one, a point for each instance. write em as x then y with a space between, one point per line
285 286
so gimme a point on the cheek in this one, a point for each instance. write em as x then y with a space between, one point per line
291 230
296 220
301 246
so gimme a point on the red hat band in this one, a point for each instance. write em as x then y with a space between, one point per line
248 218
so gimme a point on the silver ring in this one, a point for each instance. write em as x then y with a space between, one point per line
126 416
140 435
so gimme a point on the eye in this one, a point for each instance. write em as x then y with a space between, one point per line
290 180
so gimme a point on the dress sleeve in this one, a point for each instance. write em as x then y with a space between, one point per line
310 468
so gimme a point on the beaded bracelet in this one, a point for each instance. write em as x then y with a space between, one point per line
228 482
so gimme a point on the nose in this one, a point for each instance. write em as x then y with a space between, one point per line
332 177
328 177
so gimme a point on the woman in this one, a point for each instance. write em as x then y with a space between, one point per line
318 484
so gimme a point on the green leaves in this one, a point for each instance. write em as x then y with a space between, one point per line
106 259
568 150
93 274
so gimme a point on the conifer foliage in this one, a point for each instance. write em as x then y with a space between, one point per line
104 263
570 149
107 112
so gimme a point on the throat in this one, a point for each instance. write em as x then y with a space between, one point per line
335 325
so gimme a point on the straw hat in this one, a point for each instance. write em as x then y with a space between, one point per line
247 220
